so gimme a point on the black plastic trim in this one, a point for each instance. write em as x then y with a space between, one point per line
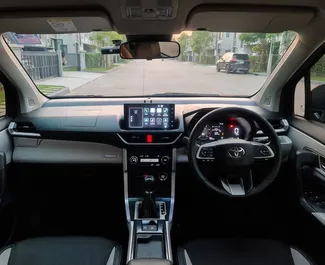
11 96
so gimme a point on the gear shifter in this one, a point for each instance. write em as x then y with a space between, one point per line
148 207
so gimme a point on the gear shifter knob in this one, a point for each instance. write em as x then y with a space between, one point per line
149 181
148 207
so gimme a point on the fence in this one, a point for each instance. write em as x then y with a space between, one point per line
40 65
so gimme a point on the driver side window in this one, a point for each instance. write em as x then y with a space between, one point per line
309 100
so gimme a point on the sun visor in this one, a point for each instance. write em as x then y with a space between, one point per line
52 23
243 19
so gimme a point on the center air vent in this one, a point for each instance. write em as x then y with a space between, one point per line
149 9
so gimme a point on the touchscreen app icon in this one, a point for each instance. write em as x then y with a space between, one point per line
165 120
152 120
165 110
146 120
159 110
159 120
146 110
152 110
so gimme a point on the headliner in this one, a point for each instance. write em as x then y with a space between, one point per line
26 16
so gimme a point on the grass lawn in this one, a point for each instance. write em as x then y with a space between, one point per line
70 69
49 89
100 69
2 102
2 96
317 78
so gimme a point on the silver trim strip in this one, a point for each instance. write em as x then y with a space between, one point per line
234 189
111 257
126 192
169 253
298 258
187 258
319 216
11 129
173 180
169 143
4 256
131 244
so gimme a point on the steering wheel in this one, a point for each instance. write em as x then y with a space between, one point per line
234 158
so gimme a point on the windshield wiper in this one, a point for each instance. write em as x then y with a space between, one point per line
79 96
183 94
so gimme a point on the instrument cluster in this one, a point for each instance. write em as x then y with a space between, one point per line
214 131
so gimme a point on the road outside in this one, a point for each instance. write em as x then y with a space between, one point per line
143 77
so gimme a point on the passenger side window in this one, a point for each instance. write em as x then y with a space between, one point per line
309 101
2 101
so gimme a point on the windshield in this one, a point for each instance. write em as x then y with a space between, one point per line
241 56
210 64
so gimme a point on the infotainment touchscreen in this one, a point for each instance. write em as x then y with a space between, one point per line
150 116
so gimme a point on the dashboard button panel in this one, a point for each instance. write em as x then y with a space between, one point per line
165 160
134 160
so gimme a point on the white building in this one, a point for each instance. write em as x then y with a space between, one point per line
69 43
229 42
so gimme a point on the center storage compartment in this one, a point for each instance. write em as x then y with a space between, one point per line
150 246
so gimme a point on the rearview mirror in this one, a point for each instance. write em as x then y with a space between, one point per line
149 50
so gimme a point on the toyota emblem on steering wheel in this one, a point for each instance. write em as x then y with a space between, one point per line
236 152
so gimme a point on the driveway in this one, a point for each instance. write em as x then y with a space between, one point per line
143 77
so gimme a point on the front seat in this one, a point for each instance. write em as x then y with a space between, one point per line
62 251
240 252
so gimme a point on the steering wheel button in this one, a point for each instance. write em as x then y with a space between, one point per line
204 152
265 152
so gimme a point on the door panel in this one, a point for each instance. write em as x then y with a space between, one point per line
6 144
310 170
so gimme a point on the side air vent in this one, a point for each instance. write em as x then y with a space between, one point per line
23 129
280 126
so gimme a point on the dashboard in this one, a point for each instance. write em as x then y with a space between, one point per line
92 130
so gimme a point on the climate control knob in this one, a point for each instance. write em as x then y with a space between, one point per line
134 160
165 160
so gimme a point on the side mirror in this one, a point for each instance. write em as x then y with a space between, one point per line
149 50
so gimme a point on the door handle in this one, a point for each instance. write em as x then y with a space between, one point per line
321 161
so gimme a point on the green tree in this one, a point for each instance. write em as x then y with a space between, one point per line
200 42
287 38
183 41
260 43
103 39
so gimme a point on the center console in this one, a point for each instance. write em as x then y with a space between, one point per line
149 179
149 164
